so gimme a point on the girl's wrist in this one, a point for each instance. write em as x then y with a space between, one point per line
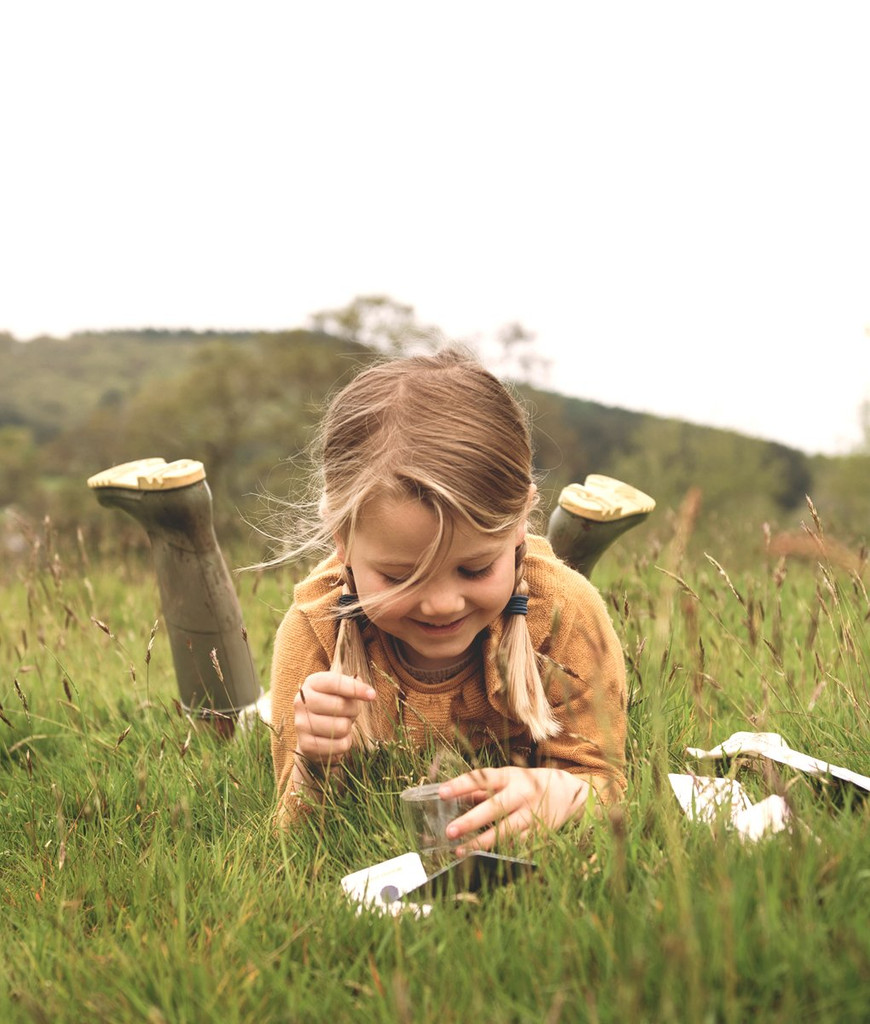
312 775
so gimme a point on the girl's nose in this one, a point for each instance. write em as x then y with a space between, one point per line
439 601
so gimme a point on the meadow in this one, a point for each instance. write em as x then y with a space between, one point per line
142 879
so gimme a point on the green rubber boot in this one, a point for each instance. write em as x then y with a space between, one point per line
172 501
590 516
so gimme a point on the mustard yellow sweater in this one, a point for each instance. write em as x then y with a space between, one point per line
582 667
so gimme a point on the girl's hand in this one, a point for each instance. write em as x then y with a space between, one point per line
324 711
513 801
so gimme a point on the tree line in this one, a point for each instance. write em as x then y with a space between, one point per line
246 404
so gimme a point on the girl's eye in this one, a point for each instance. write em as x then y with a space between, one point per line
469 574
393 581
477 574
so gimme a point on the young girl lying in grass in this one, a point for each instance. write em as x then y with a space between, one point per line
438 615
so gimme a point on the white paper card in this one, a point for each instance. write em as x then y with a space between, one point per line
704 799
390 879
774 747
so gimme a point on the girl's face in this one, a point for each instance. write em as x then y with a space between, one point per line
436 621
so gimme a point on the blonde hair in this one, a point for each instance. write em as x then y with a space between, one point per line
445 431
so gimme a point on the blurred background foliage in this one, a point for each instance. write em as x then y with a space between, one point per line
246 404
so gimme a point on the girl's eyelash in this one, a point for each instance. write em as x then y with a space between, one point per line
477 574
469 574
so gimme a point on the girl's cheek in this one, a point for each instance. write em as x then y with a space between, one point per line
497 588
392 609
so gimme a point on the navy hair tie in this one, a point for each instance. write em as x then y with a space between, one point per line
518 605
351 602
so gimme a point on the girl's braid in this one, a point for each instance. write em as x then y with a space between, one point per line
519 665
350 657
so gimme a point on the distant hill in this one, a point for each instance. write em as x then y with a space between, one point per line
50 384
246 403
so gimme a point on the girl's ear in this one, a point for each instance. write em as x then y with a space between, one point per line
532 499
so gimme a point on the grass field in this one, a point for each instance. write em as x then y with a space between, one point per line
142 879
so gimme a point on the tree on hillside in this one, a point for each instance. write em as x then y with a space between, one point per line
519 358
379 322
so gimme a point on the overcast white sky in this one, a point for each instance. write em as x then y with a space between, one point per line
675 197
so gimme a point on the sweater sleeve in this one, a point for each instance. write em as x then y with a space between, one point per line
297 653
582 669
584 675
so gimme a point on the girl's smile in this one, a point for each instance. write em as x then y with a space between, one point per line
442 628
435 621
